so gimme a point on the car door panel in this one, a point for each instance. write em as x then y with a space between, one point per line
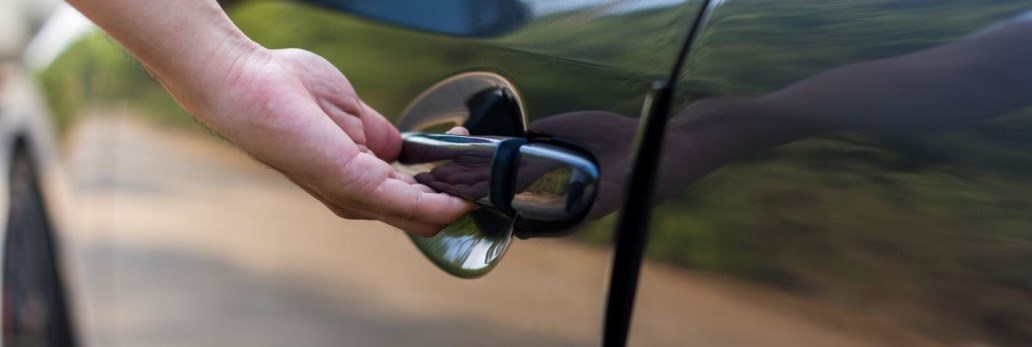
846 173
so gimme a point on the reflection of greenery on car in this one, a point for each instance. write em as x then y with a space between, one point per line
550 184
909 225
912 224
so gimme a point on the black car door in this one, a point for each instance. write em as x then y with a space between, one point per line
846 173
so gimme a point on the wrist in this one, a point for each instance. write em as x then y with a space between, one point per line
195 62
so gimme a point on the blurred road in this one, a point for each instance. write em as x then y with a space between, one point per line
190 243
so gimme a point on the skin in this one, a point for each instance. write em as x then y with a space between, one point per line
289 109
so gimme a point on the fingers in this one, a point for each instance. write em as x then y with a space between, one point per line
401 200
422 215
381 136
459 131
418 209
479 189
472 191
404 177
453 172
307 122
412 181
412 227
370 186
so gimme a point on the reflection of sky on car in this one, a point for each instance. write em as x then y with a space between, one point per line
607 7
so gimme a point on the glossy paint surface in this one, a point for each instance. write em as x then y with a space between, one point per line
846 173
179 234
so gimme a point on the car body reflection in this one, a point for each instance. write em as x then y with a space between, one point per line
972 80
944 89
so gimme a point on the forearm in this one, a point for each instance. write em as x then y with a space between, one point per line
188 45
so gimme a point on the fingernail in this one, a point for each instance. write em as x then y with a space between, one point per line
459 131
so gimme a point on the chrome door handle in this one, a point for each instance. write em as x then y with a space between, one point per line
546 184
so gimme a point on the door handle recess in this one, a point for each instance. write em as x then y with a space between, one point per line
547 184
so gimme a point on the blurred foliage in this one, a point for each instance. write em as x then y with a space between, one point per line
551 184
95 73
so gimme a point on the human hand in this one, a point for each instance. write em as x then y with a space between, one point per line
467 174
290 109
295 112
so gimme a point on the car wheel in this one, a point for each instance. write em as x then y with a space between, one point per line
34 307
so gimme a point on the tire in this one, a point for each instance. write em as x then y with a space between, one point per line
35 312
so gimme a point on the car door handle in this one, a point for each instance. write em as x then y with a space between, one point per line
545 183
